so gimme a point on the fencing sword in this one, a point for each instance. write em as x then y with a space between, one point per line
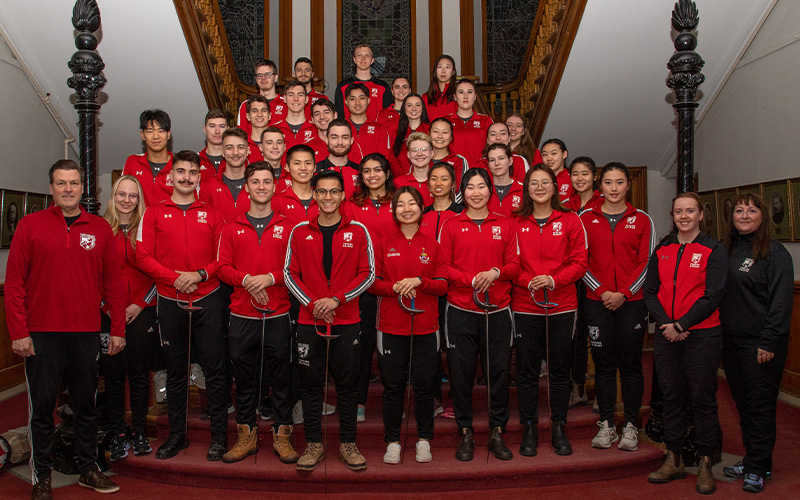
190 308
264 309
328 336
486 306
413 311
546 305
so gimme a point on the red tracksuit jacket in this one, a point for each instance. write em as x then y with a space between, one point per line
401 163
288 205
422 187
557 250
398 258
242 252
433 220
277 112
520 167
469 137
686 283
56 277
511 201
214 192
387 116
468 249
574 202
139 287
440 107
154 189
171 239
371 138
306 134
618 260
352 273
378 221
565 189
460 165
207 168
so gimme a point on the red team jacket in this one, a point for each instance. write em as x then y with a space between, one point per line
433 220
154 189
402 163
139 287
511 201
557 250
352 273
565 189
380 96
422 187
468 249
378 221
618 260
306 134
387 116
399 258
574 202
242 252
207 168
171 239
371 138
56 277
440 107
289 205
214 192
277 112
469 137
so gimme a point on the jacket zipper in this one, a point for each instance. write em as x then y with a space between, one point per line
675 278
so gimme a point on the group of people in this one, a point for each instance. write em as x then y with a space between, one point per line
294 246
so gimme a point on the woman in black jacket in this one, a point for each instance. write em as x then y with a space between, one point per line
683 289
756 314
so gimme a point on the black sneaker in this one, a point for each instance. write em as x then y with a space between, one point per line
140 444
171 447
42 490
119 448
266 409
753 483
97 481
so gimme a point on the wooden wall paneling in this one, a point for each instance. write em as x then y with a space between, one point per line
317 55
467 37
435 31
202 65
413 69
12 368
285 49
791 372
339 60
637 194
485 40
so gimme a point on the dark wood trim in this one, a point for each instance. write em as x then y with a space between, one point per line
435 39
318 39
12 367
285 49
485 41
561 51
266 29
467 23
339 60
791 371
191 32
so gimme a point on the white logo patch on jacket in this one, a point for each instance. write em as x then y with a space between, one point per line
88 241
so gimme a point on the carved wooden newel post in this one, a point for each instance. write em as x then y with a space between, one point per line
86 65
685 66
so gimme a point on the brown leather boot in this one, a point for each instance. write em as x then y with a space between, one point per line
672 468
246 444
282 446
705 478
314 454
352 458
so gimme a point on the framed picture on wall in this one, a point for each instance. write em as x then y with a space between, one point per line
709 223
115 174
776 197
751 189
13 208
34 202
724 208
794 197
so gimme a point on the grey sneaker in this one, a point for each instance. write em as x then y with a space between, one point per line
630 438
160 385
606 436
297 413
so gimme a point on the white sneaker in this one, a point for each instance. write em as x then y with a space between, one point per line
198 377
297 413
424 451
160 385
328 409
361 415
630 438
392 455
605 436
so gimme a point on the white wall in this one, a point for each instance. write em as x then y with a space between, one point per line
749 134
31 140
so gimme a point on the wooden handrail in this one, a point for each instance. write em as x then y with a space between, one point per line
533 91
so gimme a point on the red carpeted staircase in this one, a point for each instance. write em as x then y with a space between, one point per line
444 473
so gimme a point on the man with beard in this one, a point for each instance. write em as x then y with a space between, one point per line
304 73
340 141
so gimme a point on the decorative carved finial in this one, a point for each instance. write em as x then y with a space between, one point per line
685 65
86 66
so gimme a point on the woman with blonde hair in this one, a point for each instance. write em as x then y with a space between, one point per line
124 214
521 141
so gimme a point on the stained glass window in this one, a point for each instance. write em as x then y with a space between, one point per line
509 24
386 26
244 25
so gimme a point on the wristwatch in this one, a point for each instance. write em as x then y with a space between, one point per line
203 274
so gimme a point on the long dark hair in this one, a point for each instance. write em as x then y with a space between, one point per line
402 124
450 171
362 191
761 239
526 208
434 94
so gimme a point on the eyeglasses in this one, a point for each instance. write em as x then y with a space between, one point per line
322 193
264 75
544 184
420 150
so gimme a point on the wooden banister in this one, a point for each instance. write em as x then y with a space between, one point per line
533 91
